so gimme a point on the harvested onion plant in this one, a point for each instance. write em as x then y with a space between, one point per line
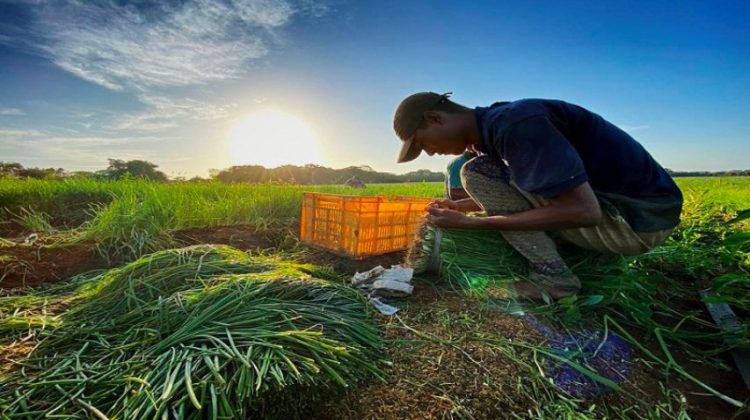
475 261
196 338
137 284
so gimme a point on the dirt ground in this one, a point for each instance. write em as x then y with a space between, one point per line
473 379
436 371
36 264
245 237
433 379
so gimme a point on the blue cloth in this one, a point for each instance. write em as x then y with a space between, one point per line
603 353
552 146
453 171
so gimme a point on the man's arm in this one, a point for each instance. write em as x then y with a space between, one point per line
468 204
463 205
574 208
456 194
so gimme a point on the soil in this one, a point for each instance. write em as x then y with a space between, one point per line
348 266
244 237
9 228
431 379
475 380
36 264
703 405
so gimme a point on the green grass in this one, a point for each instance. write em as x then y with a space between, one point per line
732 192
63 199
207 204
131 218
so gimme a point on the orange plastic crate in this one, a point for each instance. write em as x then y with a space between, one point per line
360 226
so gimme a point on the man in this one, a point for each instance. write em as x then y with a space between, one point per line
544 165
355 182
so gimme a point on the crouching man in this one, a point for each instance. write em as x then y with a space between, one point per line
544 165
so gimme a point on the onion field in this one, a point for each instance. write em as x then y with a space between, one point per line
133 299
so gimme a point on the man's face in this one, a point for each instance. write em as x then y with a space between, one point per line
442 135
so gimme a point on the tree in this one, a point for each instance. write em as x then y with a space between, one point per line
311 174
243 173
10 168
135 168
41 173
15 169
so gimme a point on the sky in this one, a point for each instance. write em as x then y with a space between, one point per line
193 85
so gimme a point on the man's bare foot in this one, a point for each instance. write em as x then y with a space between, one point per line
556 287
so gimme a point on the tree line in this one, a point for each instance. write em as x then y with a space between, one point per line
734 172
117 169
316 174
288 174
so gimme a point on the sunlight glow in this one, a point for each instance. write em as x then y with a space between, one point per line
273 138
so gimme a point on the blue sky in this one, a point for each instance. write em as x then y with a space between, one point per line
167 81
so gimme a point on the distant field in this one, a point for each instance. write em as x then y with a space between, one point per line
136 217
71 200
734 192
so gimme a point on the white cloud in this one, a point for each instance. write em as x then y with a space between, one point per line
11 111
143 47
78 151
12 133
187 107
167 112
185 43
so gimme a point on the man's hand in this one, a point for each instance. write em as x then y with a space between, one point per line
463 205
449 218
444 203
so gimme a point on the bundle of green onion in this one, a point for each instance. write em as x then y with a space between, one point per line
474 260
202 341
160 274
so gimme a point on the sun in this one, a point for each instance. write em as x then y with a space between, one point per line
272 138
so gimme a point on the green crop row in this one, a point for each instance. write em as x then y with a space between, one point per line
134 217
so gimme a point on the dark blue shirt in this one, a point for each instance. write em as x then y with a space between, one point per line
552 146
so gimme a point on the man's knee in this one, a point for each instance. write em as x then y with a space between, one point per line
482 168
